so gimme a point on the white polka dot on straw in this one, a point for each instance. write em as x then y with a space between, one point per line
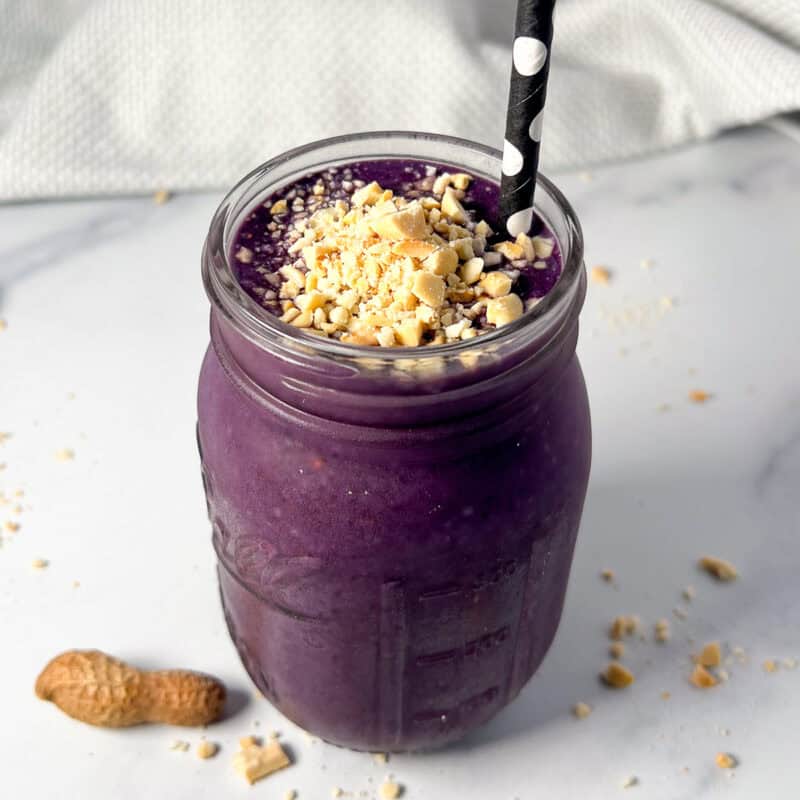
520 222
529 55
535 129
512 159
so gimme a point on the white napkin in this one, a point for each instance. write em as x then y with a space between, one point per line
114 96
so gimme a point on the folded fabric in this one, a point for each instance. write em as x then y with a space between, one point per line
109 96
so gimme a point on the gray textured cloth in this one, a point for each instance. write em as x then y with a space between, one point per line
113 96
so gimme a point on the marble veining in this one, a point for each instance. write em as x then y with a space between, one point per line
103 299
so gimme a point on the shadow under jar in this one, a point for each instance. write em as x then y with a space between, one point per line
394 526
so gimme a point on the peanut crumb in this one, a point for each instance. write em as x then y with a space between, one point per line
76 584
647 263
710 655
65 454
40 563
380 758
699 396
680 613
718 568
4 436
665 695
581 710
601 275
770 666
336 792
248 741
630 782
702 678
291 794
161 197
179 745
617 676
616 650
254 762
11 526
789 663
607 575
688 594
726 761
207 749
389 790
3 325
662 631
623 625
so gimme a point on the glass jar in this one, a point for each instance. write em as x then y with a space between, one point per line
394 526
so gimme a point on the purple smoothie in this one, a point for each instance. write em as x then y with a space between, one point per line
394 537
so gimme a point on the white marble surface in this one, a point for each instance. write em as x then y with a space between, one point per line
103 299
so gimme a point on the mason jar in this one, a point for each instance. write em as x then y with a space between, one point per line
394 527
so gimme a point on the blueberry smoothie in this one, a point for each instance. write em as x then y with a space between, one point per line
394 435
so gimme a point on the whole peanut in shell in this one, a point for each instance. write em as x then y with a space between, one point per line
101 690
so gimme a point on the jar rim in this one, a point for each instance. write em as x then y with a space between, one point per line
262 327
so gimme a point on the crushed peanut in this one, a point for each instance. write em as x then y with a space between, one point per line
617 676
65 454
662 631
290 794
726 761
607 575
702 678
699 396
162 196
688 594
600 275
616 650
384 270
207 749
581 710
389 790
254 762
623 625
380 758
630 782
40 563
718 568
179 745
710 655
770 665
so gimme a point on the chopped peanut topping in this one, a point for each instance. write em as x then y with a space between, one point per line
770 665
386 270
502 310
617 676
702 678
721 570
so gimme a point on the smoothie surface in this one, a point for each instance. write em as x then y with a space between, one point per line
391 252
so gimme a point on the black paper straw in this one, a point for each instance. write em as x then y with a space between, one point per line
530 67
